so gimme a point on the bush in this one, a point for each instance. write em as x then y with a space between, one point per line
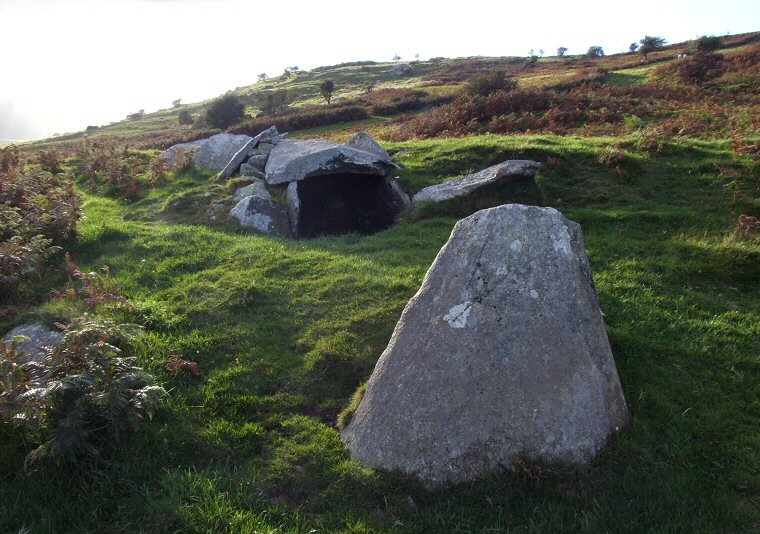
595 51
38 212
104 165
85 394
185 118
225 111
274 102
705 44
299 120
485 84
701 68
50 160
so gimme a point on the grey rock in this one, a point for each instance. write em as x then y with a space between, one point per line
294 206
237 159
262 215
265 148
213 152
246 169
364 141
258 161
399 198
503 351
503 173
256 189
296 160
39 336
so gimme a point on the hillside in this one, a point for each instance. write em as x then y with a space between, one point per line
260 342
409 87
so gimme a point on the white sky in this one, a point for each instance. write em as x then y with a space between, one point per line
66 64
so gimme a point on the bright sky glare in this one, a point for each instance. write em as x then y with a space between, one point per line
70 63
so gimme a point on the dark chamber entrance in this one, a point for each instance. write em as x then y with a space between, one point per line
344 203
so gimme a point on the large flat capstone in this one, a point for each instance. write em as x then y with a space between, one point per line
292 161
503 351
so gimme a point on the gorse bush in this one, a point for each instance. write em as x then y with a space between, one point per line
84 394
38 212
225 111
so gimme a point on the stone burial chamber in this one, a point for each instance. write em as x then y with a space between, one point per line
330 189
306 189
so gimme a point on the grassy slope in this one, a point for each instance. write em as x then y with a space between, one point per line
286 330
624 69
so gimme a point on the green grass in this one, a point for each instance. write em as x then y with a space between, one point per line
285 332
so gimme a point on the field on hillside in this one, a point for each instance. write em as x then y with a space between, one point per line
609 95
285 331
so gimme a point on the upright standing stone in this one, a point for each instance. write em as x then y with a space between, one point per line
503 351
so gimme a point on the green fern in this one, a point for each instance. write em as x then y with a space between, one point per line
88 393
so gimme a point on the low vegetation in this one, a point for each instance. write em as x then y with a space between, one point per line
38 213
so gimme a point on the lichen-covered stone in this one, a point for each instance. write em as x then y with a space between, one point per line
39 335
503 351
364 141
262 216
257 189
503 173
291 161
213 152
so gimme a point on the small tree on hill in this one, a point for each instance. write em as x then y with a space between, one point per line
184 118
396 58
595 51
263 76
326 89
649 44
225 111
705 44
176 103
561 51
632 49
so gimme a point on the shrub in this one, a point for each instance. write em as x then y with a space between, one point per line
38 212
595 51
225 111
368 86
303 118
92 289
105 165
85 394
50 160
701 68
705 44
485 84
185 118
385 102
274 102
